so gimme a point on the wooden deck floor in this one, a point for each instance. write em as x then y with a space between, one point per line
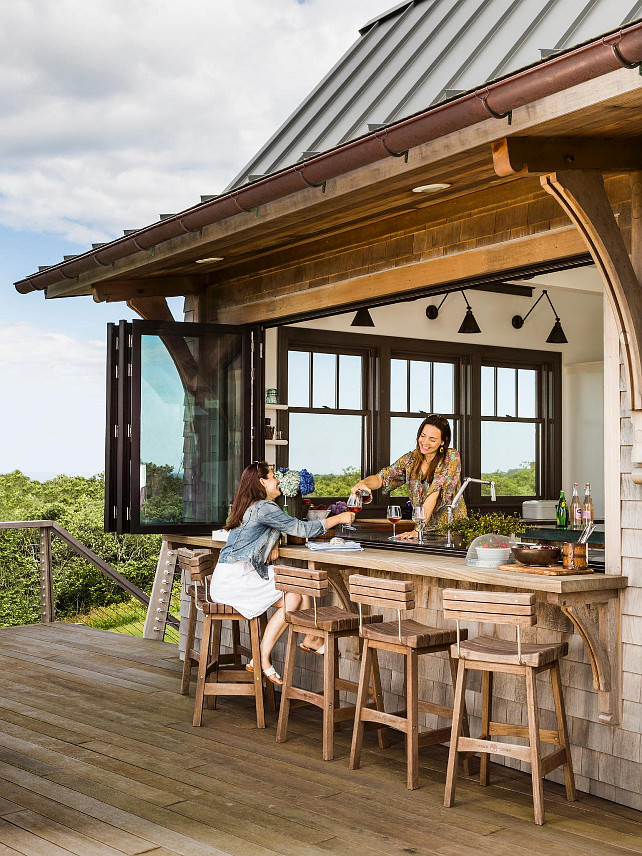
97 756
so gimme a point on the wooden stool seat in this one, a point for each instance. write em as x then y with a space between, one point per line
330 623
410 639
409 634
489 648
489 655
210 608
330 618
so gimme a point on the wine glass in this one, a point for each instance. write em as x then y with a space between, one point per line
419 516
394 516
355 505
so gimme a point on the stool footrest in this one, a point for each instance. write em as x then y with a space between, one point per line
552 761
219 688
470 744
500 729
370 714
435 735
437 709
305 695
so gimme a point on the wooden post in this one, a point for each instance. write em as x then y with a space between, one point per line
158 608
47 607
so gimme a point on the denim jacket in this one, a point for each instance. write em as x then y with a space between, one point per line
259 533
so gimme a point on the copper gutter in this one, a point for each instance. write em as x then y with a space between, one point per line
586 62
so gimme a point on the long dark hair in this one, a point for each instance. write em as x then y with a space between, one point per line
440 422
249 491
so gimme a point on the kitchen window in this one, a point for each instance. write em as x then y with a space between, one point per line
357 400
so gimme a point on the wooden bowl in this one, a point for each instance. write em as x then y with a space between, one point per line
536 554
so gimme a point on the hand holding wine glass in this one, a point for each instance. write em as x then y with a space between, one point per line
355 505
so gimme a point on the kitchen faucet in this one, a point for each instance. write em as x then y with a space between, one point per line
450 507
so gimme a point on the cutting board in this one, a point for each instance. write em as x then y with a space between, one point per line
546 570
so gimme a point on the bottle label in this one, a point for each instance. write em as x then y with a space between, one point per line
578 513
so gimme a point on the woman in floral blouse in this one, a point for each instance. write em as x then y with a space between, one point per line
432 471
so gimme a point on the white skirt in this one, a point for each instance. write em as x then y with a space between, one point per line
238 585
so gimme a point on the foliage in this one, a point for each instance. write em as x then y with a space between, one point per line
163 495
336 485
476 524
517 482
76 503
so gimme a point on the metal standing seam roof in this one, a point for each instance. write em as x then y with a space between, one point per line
415 56
422 52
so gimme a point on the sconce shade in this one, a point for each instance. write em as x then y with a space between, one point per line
362 318
469 324
557 336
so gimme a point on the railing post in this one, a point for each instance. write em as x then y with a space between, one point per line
158 608
47 609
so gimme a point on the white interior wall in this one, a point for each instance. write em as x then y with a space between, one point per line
578 299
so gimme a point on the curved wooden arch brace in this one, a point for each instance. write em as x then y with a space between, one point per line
582 196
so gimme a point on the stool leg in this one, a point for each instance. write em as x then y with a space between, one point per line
329 692
269 687
189 644
258 674
562 731
458 718
536 756
468 756
236 643
362 697
382 731
202 671
486 716
288 674
337 700
412 718
214 658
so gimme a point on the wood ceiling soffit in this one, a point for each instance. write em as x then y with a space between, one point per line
582 195
167 286
494 258
522 155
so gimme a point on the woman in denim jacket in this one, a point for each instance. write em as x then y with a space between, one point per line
243 577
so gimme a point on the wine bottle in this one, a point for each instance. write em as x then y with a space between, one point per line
562 512
587 506
576 509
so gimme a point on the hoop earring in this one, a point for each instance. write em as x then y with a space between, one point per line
442 449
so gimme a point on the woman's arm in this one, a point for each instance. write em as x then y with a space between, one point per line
369 483
271 515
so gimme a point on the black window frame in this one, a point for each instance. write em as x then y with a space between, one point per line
468 359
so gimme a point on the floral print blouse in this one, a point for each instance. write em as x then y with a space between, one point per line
446 480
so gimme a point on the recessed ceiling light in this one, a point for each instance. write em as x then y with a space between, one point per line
209 259
430 188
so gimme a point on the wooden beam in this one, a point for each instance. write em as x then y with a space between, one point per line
583 198
160 286
395 282
522 155
151 308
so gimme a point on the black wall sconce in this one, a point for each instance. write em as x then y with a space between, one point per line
362 318
468 325
557 335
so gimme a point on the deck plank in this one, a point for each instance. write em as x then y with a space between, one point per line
98 758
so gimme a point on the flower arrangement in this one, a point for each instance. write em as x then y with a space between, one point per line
339 507
289 481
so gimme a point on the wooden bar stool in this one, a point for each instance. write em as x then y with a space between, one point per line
331 623
488 655
410 639
197 566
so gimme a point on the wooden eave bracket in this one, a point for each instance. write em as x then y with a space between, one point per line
523 155
597 624
582 196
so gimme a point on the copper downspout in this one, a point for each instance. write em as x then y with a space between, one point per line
586 62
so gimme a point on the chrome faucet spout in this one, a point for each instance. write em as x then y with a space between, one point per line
451 506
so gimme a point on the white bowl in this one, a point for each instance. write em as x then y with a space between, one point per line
318 514
493 554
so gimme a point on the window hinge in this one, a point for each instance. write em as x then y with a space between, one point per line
261 350
116 431
115 512
127 514
129 430
116 373
129 369
131 340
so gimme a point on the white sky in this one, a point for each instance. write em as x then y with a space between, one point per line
111 113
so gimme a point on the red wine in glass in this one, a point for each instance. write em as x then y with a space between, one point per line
366 496
354 505
394 516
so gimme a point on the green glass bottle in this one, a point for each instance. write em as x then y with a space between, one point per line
562 512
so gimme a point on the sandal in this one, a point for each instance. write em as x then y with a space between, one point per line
273 676
249 666
319 651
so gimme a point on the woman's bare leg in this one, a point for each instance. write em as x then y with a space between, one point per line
310 641
276 626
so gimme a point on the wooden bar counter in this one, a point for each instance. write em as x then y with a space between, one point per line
589 601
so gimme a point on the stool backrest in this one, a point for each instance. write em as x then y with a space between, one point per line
197 563
388 594
313 583
493 607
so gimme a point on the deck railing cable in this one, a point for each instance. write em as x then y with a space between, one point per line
128 616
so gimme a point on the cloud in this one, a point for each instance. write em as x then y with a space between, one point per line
115 112
56 386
